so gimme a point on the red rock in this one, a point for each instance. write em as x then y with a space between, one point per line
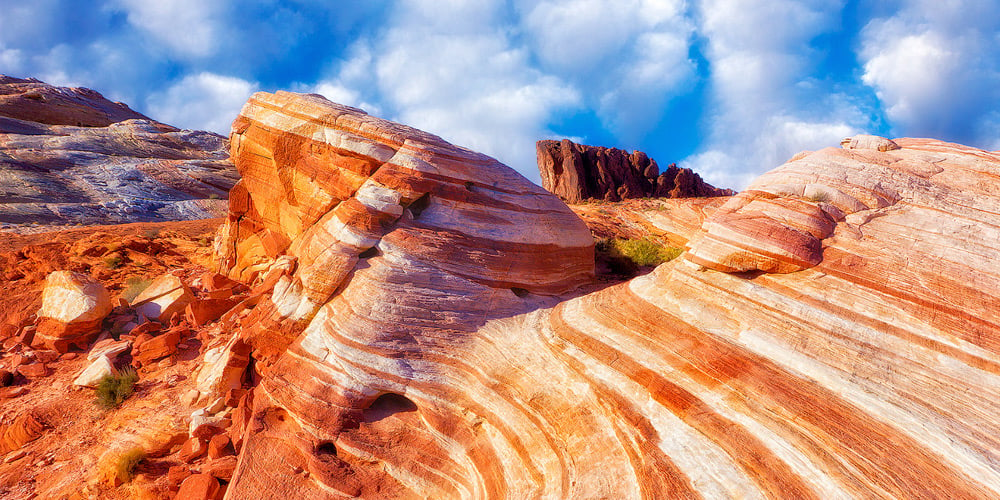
193 449
220 446
12 392
163 298
202 311
146 349
69 356
149 328
199 487
34 370
575 173
34 101
47 356
25 427
73 307
176 475
6 378
221 468
208 430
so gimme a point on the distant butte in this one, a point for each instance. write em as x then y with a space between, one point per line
576 172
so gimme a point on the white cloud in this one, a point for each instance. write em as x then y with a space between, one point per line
934 67
452 69
191 28
764 106
204 101
626 57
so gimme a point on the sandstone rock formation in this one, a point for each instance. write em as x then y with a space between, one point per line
69 156
576 172
373 235
866 367
73 306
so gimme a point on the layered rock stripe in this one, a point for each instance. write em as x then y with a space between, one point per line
70 156
867 370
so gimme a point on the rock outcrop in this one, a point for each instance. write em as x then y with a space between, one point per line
576 172
865 365
374 236
73 306
70 156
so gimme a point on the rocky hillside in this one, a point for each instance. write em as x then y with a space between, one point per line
69 156
576 173
416 320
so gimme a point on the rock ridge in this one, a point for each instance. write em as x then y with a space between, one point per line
577 172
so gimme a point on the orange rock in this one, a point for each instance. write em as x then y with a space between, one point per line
34 370
146 349
203 311
221 467
73 307
25 427
176 475
199 487
164 297
193 449
220 446
6 378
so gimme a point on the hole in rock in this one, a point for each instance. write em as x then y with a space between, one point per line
469 185
371 252
326 449
420 204
387 405
520 292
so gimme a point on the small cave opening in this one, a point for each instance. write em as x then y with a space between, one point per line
371 252
326 449
419 205
387 405
520 292
469 185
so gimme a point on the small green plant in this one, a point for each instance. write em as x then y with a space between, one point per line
625 256
126 463
213 196
819 197
114 261
113 390
133 287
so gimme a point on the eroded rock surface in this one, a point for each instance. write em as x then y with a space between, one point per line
70 156
375 236
73 306
576 172
873 369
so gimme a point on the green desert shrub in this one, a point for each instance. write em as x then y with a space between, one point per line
133 287
113 390
113 261
126 463
625 256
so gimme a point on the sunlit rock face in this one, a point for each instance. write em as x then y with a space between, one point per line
70 156
870 370
387 249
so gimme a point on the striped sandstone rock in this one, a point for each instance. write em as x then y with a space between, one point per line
860 360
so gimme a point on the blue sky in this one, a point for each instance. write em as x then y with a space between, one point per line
731 88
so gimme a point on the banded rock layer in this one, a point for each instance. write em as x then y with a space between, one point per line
866 366
70 156
376 238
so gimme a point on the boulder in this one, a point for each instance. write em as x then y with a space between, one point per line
577 172
193 449
164 297
221 468
220 446
148 349
109 348
199 487
93 373
34 370
24 428
73 307
202 311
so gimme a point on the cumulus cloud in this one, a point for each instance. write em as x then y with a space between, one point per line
765 106
204 101
190 28
934 66
626 57
453 69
